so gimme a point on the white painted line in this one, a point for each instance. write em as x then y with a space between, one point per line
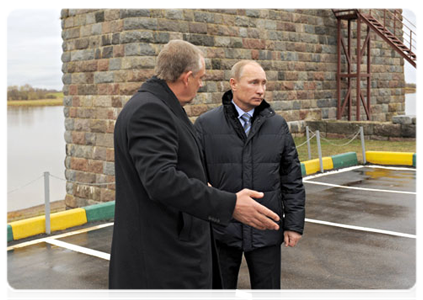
59 236
367 229
79 249
391 168
332 172
243 295
106 256
359 188
306 178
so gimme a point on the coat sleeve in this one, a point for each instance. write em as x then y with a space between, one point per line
292 188
153 147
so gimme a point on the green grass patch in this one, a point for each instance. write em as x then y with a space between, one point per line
42 102
333 147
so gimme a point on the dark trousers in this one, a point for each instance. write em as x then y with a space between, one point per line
264 266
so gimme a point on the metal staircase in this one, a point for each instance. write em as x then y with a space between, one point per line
390 38
385 23
380 29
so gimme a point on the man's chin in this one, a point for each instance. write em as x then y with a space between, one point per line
257 102
184 102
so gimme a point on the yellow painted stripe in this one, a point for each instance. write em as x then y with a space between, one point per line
313 166
390 158
59 221
68 218
29 227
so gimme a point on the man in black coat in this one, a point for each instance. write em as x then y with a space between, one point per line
246 145
162 234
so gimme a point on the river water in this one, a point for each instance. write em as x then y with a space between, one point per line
36 144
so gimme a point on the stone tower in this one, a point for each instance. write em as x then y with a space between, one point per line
109 53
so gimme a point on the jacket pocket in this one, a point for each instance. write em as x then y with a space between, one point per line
185 227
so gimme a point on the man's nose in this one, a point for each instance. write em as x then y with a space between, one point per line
261 88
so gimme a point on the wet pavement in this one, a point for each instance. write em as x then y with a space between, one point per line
359 234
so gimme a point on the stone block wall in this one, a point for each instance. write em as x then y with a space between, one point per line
109 53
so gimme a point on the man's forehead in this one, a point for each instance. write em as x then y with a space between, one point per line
253 71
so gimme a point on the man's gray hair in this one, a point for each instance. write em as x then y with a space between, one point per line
177 57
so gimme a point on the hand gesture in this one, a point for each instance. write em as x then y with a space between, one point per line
250 212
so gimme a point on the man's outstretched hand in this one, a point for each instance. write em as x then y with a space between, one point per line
250 212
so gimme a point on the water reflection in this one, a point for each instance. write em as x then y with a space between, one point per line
35 144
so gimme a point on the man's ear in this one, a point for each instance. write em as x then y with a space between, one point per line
233 83
185 77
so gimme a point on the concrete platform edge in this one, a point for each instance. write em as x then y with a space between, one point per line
62 220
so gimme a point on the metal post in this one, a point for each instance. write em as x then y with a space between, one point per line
357 118
338 73
308 143
363 148
319 150
349 97
369 69
47 200
411 39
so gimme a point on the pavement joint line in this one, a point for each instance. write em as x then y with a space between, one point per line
391 168
243 295
79 249
359 228
359 188
306 178
104 255
59 236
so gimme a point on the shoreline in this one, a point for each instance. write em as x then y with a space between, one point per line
410 90
32 103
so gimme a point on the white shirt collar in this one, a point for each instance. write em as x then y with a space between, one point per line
241 112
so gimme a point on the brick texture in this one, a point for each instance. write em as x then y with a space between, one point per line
109 53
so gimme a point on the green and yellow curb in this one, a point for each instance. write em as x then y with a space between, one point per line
59 221
391 158
329 163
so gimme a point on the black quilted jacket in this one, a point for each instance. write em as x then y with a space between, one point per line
266 161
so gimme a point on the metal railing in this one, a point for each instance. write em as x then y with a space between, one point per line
319 146
46 175
397 21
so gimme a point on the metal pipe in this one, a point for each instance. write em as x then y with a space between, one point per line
348 98
308 143
369 70
319 150
358 68
47 201
363 148
338 75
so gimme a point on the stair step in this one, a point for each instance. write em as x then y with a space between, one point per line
393 40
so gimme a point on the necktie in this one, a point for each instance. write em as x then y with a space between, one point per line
247 123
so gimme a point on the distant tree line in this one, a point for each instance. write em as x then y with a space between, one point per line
410 88
27 92
410 85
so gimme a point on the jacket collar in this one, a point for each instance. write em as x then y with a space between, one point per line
161 90
263 110
261 113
